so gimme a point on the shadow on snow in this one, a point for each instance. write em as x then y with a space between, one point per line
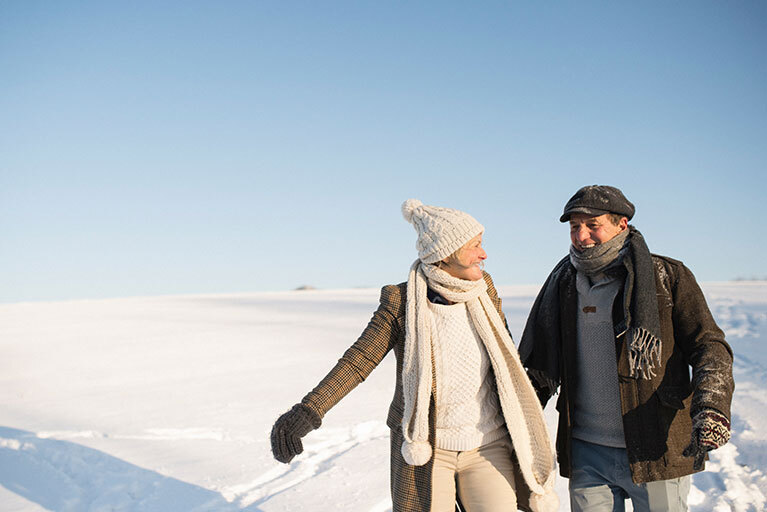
64 476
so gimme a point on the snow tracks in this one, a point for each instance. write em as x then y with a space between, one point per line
358 446
735 476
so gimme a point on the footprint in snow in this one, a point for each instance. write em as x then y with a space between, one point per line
321 447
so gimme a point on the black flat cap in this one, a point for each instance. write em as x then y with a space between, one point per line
598 200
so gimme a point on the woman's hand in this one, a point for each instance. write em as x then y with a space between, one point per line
289 429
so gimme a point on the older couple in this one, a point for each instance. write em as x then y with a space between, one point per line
615 329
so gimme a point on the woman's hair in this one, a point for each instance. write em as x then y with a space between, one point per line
450 259
454 258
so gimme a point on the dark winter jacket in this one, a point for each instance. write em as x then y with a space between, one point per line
657 411
410 485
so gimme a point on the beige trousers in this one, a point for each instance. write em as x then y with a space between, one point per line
484 478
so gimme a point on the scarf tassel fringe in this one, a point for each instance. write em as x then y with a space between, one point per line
416 453
644 353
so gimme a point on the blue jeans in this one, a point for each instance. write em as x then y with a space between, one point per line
601 481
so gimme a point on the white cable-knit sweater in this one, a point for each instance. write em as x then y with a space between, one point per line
467 406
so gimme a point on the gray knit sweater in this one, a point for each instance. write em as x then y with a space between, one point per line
597 412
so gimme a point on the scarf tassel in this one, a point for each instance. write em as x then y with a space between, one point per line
416 453
644 353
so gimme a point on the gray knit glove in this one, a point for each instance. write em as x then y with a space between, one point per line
710 430
289 429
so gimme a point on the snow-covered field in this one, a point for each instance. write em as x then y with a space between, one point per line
165 403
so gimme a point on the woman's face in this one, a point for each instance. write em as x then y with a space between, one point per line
466 263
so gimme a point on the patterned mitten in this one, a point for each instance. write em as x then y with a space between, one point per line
710 430
289 429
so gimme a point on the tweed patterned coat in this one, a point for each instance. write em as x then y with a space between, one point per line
410 485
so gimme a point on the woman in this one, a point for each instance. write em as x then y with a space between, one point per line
463 411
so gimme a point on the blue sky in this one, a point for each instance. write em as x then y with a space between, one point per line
182 147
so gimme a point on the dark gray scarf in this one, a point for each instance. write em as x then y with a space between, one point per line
541 341
595 259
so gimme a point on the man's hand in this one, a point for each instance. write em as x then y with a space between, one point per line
289 429
710 430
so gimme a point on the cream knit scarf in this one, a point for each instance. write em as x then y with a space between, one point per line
519 403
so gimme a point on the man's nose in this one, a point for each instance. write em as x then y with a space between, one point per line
582 233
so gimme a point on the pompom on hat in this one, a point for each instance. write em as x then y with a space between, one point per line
441 231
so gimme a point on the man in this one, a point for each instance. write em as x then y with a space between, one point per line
617 329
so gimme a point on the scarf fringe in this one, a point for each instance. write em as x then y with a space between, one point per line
644 353
544 380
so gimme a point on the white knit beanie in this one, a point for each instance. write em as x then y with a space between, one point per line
441 231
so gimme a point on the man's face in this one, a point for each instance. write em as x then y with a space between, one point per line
588 231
